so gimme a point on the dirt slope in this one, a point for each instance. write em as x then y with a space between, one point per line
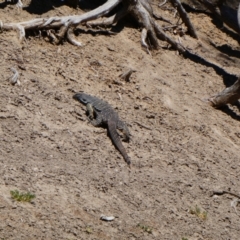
185 151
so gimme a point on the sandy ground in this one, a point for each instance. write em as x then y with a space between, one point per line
181 149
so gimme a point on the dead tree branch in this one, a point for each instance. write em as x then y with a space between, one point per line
108 21
184 16
141 10
228 95
161 35
224 14
143 15
60 22
126 75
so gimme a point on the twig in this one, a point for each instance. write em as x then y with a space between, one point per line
71 39
185 18
15 77
96 75
143 40
140 124
173 26
234 203
161 34
127 74
220 192
52 36
91 30
161 18
163 3
120 96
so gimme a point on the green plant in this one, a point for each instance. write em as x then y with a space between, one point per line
145 228
184 238
88 230
22 197
197 211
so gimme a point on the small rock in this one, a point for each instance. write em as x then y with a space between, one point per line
108 219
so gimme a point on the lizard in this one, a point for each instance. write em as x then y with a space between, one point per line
101 113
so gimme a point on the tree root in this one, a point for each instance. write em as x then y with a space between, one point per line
141 10
60 22
52 36
143 40
185 17
169 40
110 21
163 3
71 39
224 15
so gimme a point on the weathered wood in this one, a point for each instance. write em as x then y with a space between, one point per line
224 13
228 95
62 27
56 22
142 12
184 16
163 36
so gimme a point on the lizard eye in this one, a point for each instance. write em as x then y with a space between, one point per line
84 100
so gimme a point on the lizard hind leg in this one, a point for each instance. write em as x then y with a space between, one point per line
124 129
96 122
94 118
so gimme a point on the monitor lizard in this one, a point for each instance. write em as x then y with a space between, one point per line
101 113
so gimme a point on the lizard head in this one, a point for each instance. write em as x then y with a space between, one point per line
81 97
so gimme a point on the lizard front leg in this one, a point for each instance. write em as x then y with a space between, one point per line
90 111
94 117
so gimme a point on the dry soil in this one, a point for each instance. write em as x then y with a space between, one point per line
181 148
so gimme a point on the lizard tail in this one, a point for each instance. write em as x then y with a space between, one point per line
117 141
